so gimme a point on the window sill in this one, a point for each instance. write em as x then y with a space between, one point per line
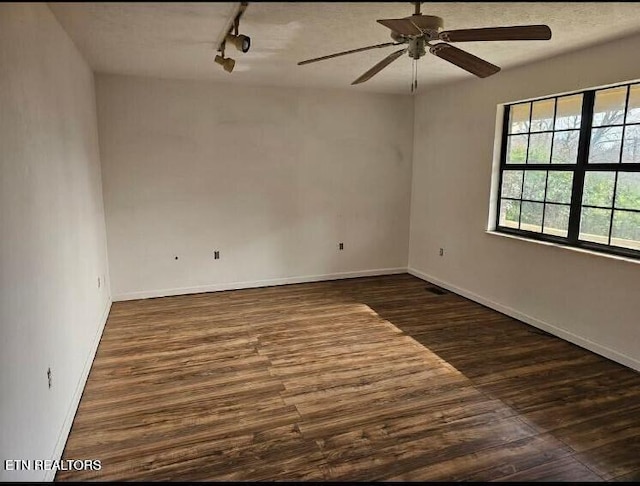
565 247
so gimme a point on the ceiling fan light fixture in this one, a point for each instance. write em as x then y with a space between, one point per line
226 62
417 48
240 42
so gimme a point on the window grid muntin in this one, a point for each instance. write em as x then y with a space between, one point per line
579 169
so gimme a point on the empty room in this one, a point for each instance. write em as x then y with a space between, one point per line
309 241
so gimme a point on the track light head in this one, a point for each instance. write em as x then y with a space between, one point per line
226 62
240 42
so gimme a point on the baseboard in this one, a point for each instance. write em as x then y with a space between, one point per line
71 413
146 294
545 326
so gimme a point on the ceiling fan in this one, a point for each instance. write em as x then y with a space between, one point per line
419 31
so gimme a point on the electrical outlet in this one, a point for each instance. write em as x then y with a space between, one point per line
216 255
340 246
49 377
441 251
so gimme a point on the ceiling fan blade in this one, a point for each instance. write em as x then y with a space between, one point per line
330 56
426 22
380 66
519 32
401 26
465 60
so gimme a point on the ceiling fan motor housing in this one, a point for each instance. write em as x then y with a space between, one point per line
429 25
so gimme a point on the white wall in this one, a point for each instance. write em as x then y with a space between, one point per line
273 178
589 299
52 245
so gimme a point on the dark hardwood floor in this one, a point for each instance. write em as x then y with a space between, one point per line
363 379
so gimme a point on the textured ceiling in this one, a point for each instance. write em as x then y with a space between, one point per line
178 40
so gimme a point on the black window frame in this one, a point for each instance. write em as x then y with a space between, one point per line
579 170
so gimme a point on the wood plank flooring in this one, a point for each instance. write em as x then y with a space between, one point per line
363 379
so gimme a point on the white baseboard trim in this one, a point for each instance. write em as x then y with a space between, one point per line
71 413
545 326
146 294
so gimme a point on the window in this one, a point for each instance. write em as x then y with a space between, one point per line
570 170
